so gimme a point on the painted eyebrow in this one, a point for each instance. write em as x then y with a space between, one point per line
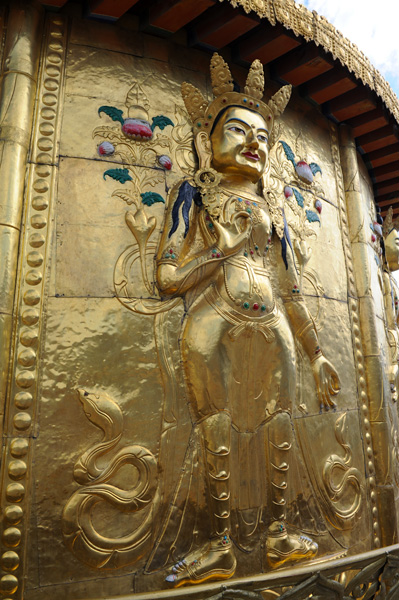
244 123
236 119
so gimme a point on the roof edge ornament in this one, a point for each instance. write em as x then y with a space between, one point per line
314 27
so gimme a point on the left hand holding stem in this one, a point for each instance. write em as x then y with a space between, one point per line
327 382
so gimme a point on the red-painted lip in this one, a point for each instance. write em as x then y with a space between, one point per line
251 155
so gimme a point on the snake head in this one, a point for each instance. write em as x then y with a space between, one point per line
87 401
102 411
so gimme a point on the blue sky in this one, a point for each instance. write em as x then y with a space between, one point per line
372 26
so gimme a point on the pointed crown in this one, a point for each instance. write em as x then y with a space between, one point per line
203 113
390 223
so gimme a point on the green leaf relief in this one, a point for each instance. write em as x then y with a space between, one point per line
114 113
121 175
161 121
299 198
312 216
288 152
314 167
150 198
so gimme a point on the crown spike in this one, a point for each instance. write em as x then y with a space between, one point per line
255 83
388 222
222 81
280 100
194 101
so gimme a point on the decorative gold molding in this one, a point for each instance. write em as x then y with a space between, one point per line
20 422
354 316
312 26
20 27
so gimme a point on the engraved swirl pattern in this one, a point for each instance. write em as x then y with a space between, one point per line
41 176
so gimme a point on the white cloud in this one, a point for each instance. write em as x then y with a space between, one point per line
372 26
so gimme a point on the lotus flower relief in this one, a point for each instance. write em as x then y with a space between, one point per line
106 149
136 125
165 162
305 173
138 129
318 206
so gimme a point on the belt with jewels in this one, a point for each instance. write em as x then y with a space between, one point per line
243 324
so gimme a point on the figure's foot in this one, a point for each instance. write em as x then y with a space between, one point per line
283 547
214 561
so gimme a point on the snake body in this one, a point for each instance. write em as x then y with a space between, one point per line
94 470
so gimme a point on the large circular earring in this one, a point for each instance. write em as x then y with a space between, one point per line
207 180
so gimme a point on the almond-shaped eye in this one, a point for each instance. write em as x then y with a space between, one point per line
237 129
262 137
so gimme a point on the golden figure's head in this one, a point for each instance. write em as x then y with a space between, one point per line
240 143
391 240
233 132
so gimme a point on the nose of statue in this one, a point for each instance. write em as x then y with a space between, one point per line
252 140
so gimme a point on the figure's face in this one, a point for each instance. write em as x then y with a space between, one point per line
392 250
240 144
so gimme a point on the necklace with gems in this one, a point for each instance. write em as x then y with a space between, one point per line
246 203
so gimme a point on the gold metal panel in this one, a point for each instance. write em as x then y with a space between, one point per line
89 219
13 152
132 377
345 163
102 420
9 240
81 237
125 39
21 424
93 72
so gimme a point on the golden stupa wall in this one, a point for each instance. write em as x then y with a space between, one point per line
82 321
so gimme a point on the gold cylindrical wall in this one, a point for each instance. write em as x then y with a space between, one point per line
377 385
18 88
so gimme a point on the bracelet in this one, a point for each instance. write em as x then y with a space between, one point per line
318 352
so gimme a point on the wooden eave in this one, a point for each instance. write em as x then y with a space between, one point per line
297 47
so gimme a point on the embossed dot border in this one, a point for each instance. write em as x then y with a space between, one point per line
40 192
356 338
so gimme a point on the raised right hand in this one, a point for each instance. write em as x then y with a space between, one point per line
233 234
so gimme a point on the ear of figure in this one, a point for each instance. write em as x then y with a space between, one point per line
204 149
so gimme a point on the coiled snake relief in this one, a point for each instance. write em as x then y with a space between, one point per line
94 470
338 478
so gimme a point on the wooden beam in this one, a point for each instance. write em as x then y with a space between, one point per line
172 15
386 172
392 185
221 25
395 207
366 122
388 196
266 43
301 64
387 203
350 104
109 9
54 3
380 143
329 85
372 136
376 154
384 155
